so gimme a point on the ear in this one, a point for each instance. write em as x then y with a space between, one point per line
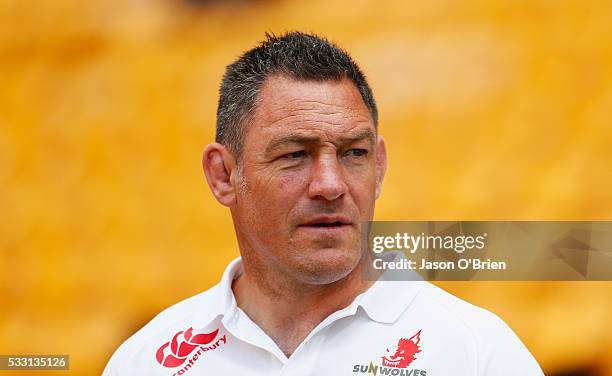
219 167
381 163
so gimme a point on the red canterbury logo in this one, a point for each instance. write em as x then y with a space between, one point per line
175 352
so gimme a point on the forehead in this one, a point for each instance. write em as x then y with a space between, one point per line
328 109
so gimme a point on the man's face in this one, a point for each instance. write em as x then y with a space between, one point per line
310 167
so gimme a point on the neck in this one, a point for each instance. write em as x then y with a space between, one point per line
287 309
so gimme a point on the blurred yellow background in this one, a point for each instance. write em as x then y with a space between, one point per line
491 110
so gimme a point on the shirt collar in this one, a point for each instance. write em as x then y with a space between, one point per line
222 300
392 292
227 301
383 302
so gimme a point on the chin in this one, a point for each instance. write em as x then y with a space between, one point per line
325 266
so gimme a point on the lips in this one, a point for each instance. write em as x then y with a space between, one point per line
326 226
325 221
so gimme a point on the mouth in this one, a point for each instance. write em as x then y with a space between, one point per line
327 221
326 224
390 363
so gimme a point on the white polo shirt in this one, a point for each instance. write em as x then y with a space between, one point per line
410 328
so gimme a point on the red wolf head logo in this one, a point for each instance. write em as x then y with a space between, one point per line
174 353
405 352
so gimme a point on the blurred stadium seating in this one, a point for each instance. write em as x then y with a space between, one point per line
491 109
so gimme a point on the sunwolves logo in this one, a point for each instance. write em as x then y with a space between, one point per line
405 352
396 364
380 370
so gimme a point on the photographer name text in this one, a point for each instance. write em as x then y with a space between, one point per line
461 264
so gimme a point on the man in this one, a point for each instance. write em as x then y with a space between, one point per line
299 163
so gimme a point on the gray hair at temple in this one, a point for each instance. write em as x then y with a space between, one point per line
300 56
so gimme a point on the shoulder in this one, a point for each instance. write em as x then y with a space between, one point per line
472 317
197 309
497 349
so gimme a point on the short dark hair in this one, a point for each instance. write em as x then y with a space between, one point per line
295 54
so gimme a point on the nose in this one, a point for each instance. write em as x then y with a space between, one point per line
327 178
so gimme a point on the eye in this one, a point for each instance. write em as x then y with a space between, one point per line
357 152
296 154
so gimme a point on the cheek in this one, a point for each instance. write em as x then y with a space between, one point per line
277 194
365 204
284 183
290 184
363 191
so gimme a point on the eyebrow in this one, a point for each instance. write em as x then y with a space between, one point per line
302 139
